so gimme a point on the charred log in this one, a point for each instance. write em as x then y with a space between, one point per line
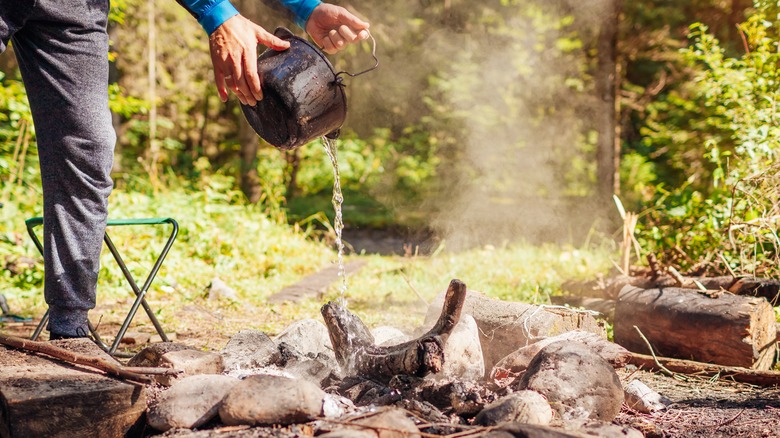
357 354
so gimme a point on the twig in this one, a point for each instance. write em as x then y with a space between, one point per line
414 289
655 358
652 262
352 423
731 420
678 278
74 358
154 371
726 263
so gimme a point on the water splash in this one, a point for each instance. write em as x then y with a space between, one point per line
338 221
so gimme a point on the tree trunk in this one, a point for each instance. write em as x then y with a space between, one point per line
715 327
608 150
293 159
250 180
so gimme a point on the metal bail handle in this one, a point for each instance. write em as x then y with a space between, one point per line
373 55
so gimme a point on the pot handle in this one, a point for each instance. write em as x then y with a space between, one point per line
373 55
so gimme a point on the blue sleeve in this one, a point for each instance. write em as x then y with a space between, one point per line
210 13
301 9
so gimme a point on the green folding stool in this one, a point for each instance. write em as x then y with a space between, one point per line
140 293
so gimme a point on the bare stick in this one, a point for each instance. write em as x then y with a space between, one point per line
650 347
690 367
726 264
676 276
74 358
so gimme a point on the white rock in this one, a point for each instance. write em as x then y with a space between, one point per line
522 407
463 353
267 400
219 290
307 336
640 397
190 402
577 382
386 336
191 362
249 350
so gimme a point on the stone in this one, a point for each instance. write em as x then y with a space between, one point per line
389 423
334 406
518 361
264 400
520 430
219 290
308 336
150 356
317 370
528 407
577 382
190 362
190 402
349 433
506 326
640 397
463 358
249 350
385 336
608 430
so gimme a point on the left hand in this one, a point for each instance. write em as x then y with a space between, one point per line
333 27
234 56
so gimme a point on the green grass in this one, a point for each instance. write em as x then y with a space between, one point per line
359 210
257 257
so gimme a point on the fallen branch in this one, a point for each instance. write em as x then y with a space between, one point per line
357 355
132 374
689 367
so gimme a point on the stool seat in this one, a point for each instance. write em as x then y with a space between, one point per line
140 292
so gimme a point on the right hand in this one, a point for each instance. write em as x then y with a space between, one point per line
233 49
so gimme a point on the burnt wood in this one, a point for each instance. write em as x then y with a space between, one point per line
357 354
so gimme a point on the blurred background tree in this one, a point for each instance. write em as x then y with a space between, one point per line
486 122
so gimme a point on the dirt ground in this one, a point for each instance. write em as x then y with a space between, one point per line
704 407
701 407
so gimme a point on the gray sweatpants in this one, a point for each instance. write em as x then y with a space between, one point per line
62 49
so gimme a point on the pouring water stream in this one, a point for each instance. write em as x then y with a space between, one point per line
338 221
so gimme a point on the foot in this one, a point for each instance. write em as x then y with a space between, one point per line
80 333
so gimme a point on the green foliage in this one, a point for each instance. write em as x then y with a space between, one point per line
725 131
16 130
220 236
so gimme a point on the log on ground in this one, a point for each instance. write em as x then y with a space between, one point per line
719 328
41 396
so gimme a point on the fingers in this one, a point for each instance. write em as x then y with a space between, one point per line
219 81
233 48
338 38
270 40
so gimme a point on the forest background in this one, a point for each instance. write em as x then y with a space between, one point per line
488 123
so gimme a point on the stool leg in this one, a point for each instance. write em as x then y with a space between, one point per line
41 325
140 297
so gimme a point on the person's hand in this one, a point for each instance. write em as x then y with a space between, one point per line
234 55
333 27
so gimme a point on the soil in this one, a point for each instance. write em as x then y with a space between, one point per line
702 407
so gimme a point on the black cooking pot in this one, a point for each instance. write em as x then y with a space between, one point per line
303 97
